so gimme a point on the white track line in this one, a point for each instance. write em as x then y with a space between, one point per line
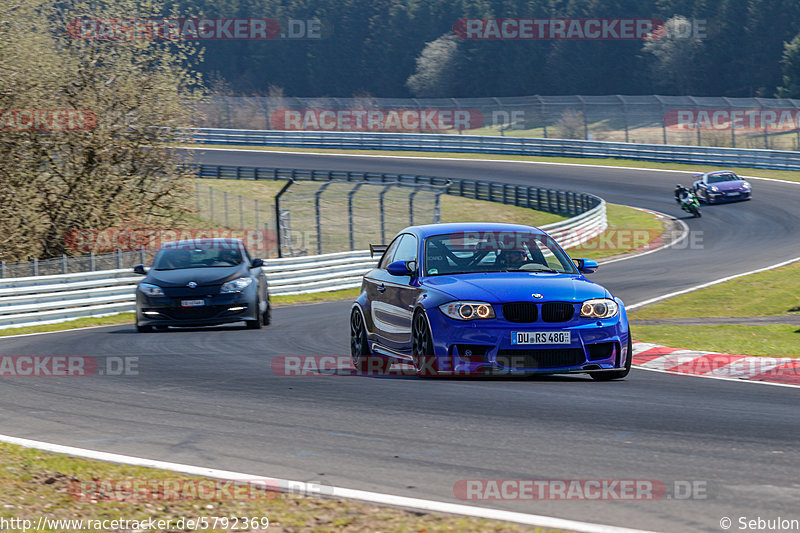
684 235
737 380
328 491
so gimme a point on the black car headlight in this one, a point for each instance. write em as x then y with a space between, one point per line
151 290
599 308
468 310
236 285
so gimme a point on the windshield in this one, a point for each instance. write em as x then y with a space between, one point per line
469 252
173 259
717 178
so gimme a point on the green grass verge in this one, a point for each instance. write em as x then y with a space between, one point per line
770 293
34 483
122 318
315 297
628 229
771 340
765 173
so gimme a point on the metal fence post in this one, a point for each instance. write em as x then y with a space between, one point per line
411 207
35 266
91 262
211 204
119 259
318 215
350 213
63 263
382 209
278 214
2 269
225 201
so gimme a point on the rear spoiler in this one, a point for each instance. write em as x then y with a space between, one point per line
377 249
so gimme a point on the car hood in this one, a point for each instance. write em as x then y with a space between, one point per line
517 286
729 185
201 276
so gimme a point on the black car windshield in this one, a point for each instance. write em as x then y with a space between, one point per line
718 178
178 258
494 251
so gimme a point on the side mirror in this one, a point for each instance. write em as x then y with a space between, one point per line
257 262
586 266
401 268
139 269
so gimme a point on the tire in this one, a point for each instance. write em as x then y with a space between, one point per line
425 363
359 347
144 329
697 212
616 374
255 324
267 317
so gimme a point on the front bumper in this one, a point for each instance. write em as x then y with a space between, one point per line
217 309
731 196
485 346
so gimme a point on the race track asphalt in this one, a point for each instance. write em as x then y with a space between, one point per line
212 397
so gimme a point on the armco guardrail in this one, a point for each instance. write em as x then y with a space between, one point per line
665 153
50 299
567 203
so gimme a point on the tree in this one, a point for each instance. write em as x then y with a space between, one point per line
791 69
117 167
674 53
435 66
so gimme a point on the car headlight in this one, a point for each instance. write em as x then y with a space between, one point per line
236 285
599 308
468 310
745 185
714 188
151 290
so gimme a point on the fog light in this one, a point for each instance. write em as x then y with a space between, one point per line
151 313
236 308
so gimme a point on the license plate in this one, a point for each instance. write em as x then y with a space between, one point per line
733 194
193 303
540 337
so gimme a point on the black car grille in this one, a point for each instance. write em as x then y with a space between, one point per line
549 358
601 350
520 312
557 311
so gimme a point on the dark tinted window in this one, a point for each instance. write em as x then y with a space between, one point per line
407 250
171 259
389 253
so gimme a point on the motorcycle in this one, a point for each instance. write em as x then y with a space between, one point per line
691 204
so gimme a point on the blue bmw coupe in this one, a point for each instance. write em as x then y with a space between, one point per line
486 298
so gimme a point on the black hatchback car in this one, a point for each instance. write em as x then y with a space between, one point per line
202 282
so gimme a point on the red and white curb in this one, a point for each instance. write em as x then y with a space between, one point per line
778 370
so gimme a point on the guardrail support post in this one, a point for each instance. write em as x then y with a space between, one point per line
63 263
35 266
141 255
91 261
2 269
